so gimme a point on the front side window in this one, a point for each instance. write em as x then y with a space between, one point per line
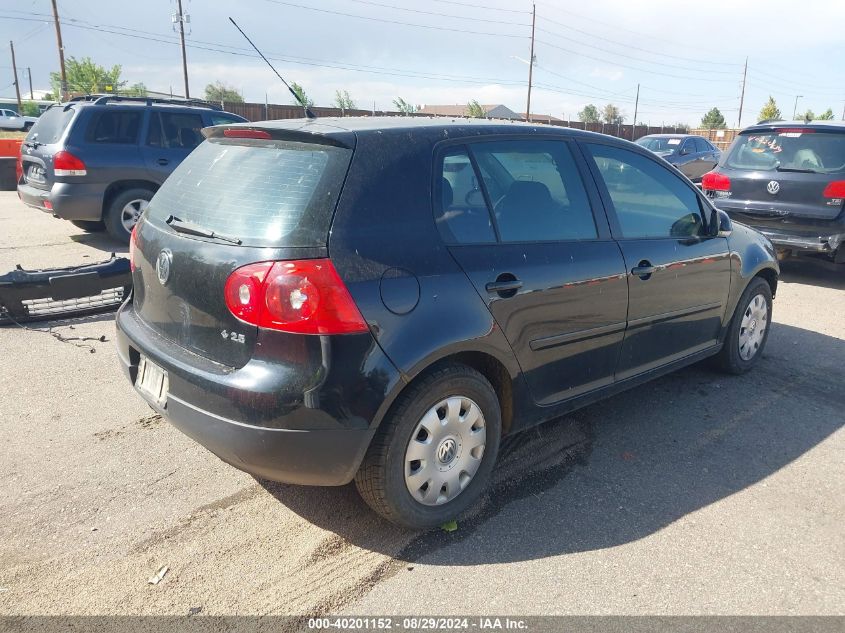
118 126
650 201
536 191
701 145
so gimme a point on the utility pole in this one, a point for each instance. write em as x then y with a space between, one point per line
15 71
182 18
742 95
531 62
63 88
29 74
636 106
795 109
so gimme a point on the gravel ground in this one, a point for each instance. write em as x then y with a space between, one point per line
697 493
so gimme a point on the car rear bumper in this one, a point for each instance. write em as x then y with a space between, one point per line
300 442
69 201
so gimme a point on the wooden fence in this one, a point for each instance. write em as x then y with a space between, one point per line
272 111
720 138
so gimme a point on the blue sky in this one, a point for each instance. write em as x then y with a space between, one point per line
686 56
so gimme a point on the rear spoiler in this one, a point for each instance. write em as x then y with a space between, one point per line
251 132
50 293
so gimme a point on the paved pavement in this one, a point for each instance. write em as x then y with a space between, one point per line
697 493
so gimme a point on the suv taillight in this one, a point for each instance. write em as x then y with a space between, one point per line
301 296
835 189
19 167
713 181
66 164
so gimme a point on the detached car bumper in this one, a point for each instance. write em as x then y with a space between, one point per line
69 201
305 445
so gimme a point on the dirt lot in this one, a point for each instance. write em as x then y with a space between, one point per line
698 493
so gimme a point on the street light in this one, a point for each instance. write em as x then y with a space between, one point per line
795 109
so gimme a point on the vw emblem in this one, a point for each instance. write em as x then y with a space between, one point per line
163 264
773 187
446 451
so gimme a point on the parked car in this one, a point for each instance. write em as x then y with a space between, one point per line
98 160
787 180
693 155
11 120
382 299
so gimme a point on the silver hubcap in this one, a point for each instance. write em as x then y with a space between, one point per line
752 329
445 451
131 213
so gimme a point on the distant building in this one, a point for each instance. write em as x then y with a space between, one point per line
496 111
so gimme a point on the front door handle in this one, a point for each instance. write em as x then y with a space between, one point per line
644 270
504 286
163 161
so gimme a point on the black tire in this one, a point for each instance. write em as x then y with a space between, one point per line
381 477
89 226
729 358
112 215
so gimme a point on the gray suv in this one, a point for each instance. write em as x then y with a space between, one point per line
98 160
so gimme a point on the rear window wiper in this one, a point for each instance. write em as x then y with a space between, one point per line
180 226
799 170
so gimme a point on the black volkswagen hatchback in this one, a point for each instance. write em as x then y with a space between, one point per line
383 299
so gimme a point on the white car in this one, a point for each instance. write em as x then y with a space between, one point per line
11 120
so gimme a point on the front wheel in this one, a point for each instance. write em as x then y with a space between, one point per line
433 455
749 329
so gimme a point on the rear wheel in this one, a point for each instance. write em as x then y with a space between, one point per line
433 455
124 211
89 226
749 329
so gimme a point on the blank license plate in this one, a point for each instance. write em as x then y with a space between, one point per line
152 381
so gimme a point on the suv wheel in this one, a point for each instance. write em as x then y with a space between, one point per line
124 211
432 457
749 329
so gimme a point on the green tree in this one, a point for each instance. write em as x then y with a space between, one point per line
681 127
713 120
827 115
218 91
809 115
85 76
403 106
590 114
300 92
138 89
611 114
29 108
769 111
343 101
475 111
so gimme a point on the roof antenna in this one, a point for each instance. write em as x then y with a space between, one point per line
308 113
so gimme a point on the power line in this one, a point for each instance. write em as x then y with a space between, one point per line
442 15
479 6
386 21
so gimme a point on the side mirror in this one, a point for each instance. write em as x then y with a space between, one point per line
720 223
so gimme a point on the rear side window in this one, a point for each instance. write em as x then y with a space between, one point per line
51 125
266 193
173 130
789 149
117 126
463 217
649 199
702 146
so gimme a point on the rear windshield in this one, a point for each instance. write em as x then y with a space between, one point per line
789 150
50 125
660 144
266 193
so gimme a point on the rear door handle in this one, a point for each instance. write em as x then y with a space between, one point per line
645 270
503 286
163 161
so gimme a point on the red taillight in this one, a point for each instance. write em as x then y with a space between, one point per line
714 181
19 167
835 189
133 248
303 296
246 133
66 164
794 130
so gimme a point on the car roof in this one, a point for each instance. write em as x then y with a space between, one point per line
669 136
838 126
441 128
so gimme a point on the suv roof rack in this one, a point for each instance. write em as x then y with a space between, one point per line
102 99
